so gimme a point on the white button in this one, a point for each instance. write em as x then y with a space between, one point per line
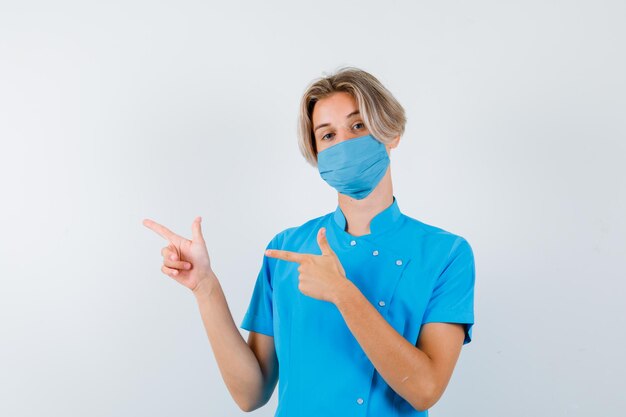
359 400
375 253
353 242
399 262
381 303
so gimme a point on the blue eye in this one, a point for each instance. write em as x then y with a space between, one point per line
326 135
359 124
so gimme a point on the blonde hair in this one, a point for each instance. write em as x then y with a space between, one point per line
382 113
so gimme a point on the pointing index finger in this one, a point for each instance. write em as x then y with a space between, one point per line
286 255
160 229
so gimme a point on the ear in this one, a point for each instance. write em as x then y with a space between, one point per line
391 145
394 142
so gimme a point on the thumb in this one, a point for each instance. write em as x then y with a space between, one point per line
323 242
197 230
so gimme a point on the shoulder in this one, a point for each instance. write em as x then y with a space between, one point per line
440 252
431 239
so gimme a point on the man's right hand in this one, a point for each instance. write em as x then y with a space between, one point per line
186 261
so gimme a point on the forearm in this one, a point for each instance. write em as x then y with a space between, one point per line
406 369
238 365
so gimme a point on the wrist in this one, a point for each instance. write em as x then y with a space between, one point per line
343 291
205 285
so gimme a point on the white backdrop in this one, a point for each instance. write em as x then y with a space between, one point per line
112 112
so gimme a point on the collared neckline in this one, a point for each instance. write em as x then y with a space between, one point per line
382 222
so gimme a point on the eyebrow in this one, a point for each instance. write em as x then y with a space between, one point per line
328 124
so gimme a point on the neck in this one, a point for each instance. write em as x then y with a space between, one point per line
359 213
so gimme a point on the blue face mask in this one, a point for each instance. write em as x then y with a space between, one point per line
355 166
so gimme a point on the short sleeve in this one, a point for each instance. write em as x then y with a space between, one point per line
259 316
452 299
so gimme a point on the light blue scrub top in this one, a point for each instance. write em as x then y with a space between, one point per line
412 272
